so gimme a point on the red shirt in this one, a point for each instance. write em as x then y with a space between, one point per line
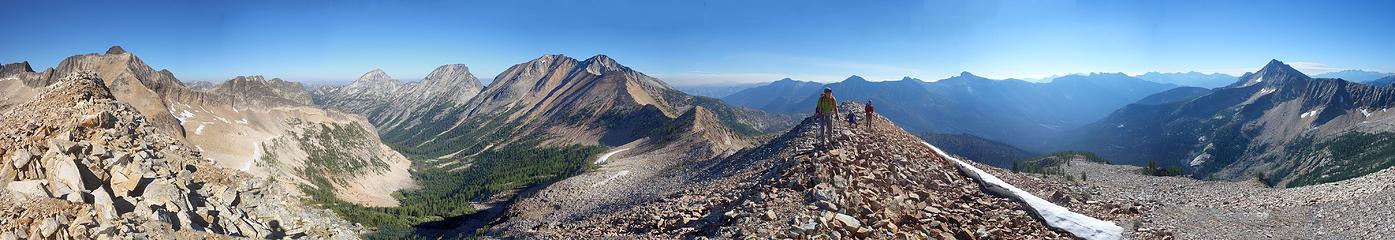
868 109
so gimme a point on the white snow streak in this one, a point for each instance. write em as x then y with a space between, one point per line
1056 216
257 152
1364 112
1267 91
606 156
199 130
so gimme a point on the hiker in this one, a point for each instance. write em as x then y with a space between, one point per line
852 120
826 109
867 111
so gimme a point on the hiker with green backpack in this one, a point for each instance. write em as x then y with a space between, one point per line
825 110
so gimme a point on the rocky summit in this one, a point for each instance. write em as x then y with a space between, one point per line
875 183
83 165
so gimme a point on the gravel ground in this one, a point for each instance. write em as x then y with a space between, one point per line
1186 208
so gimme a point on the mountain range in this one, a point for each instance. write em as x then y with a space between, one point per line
559 147
1278 122
1192 79
1016 112
1352 75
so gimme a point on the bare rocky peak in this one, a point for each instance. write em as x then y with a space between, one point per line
83 165
115 50
258 88
1275 72
15 68
452 76
376 75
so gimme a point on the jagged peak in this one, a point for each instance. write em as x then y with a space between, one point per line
604 63
909 78
1277 67
115 50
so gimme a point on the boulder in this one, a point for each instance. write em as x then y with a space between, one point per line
849 222
47 227
65 172
30 188
102 203
21 158
102 120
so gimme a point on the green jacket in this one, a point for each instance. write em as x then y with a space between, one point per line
827 105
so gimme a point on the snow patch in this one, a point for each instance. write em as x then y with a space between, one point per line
606 156
1120 126
257 152
8 78
1307 114
184 115
242 121
1055 216
1364 112
612 177
1267 91
199 130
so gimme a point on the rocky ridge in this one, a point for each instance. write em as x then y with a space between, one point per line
876 183
80 164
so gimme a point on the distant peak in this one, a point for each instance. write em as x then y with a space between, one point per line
603 63
16 68
375 74
452 67
909 78
786 79
966 74
115 50
1277 66
855 78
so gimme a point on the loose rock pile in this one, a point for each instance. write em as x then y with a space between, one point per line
878 183
80 164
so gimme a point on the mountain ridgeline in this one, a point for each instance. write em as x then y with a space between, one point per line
553 100
1016 112
1278 123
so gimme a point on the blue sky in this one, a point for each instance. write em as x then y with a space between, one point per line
691 42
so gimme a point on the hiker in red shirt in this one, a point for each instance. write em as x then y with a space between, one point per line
867 110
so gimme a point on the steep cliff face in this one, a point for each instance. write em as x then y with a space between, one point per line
81 164
1278 121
